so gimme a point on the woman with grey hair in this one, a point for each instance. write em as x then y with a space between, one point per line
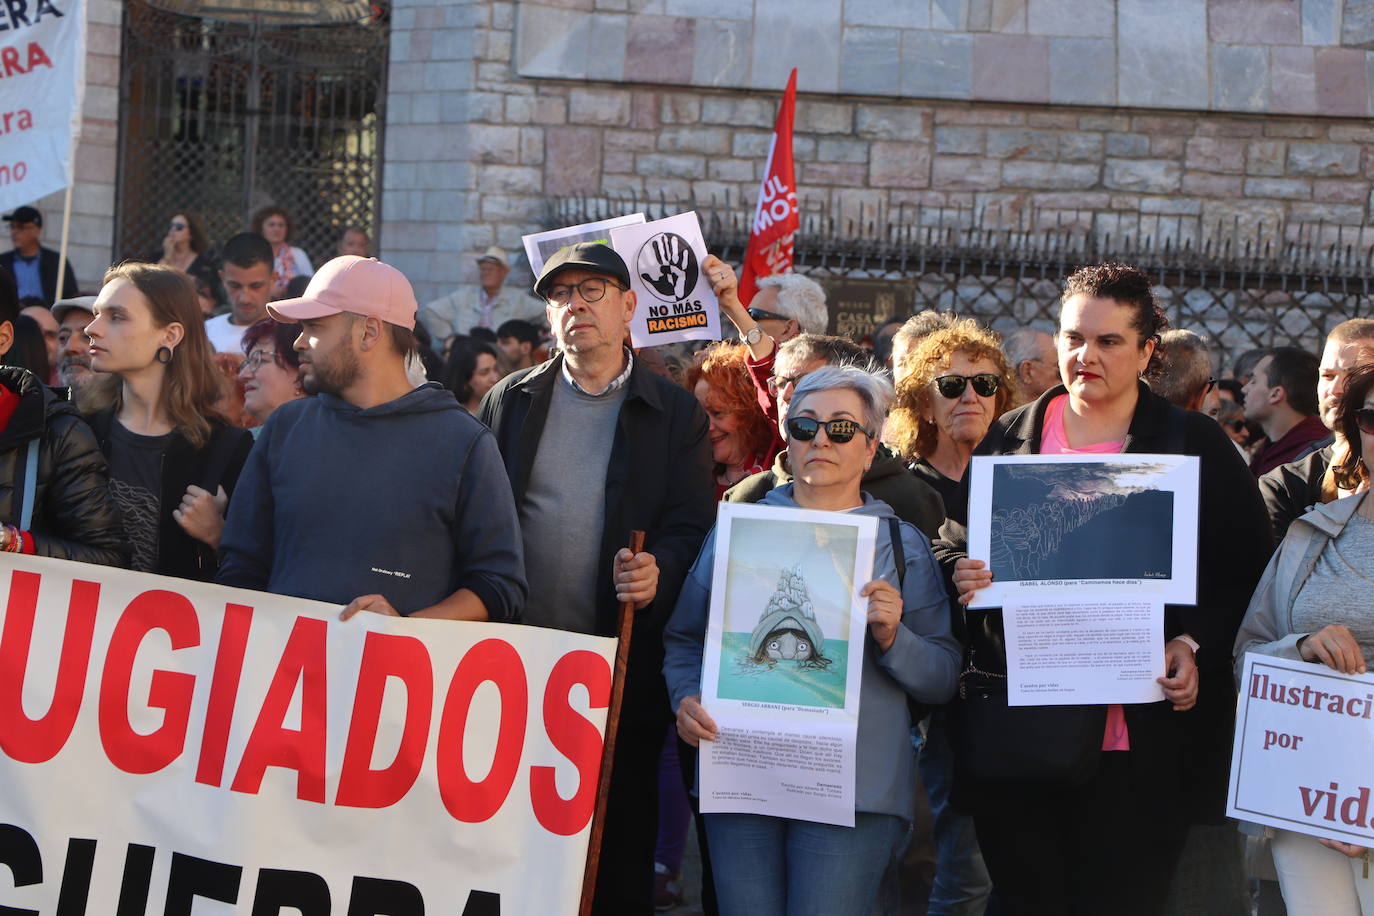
775 865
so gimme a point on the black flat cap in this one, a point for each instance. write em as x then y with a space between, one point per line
593 256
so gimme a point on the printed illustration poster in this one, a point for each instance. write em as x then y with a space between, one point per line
675 301
540 246
1119 525
784 661
1304 740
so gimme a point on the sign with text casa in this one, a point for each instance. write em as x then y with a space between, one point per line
1304 740
42 81
167 744
674 300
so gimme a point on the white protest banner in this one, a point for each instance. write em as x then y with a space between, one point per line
675 301
163 741
1304 743
783 662
42 81
540 246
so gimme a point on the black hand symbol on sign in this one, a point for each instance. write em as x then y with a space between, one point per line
672 258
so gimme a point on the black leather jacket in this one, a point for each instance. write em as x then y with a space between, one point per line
74 517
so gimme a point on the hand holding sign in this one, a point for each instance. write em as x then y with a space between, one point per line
665 259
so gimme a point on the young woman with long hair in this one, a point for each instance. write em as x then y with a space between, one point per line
173 459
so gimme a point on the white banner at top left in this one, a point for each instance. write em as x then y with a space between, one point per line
42 84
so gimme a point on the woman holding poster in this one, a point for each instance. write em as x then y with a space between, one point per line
1085 809
771 866
1313 604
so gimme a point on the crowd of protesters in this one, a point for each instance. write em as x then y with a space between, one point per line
485 456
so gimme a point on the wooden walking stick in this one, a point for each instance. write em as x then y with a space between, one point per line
622 659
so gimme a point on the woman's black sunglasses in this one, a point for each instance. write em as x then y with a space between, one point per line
952 386
1364 419
804 429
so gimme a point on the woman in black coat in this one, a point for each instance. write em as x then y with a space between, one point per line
173 459
1085 809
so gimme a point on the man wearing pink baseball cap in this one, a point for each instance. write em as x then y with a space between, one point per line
376 495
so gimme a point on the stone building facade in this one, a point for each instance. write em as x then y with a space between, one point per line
1168 117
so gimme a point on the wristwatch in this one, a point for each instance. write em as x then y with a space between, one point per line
753 335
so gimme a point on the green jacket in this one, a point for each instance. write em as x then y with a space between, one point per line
912 500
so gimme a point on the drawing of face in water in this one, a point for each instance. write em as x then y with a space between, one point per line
787 629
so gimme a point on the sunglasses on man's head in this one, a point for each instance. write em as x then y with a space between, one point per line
1364 419
952 386
764 315
839 430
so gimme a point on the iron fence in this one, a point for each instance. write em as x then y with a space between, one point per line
223 117
1241 285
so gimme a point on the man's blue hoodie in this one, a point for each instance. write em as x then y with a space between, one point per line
408 500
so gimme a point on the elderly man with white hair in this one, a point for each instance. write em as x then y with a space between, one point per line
789 304
1031 353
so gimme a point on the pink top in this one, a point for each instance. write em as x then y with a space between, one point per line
1054 441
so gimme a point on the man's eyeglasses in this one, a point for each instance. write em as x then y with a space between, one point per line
839 430
1364 419
1211 383
778 382
952 386
764 315
256 359
590 289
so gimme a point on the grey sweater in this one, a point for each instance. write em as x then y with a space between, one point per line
408 499
922 663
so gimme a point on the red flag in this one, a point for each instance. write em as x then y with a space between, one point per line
775 216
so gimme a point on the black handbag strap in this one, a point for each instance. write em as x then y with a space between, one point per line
898 553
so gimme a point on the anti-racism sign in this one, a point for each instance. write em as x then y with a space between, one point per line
164 742
1304 742
42 81
673 296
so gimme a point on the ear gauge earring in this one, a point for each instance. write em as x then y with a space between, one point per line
163 355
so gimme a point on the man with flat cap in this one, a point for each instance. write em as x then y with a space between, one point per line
375 494
34 267
597 446
487 306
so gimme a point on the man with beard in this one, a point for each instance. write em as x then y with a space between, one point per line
374 494
73 346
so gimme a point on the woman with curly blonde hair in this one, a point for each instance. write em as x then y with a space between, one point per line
743 440
953 385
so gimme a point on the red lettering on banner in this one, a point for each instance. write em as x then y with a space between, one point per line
169 691
384 657
575 738
224 689
302 750
38 740
493 660
37 56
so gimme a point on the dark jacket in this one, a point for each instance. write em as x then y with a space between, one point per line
74 517
1234 544
888 480
658 481
47 272
216 464
1291 490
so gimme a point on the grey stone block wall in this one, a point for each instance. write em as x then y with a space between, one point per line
476 145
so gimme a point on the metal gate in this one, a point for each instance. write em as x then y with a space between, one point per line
222 118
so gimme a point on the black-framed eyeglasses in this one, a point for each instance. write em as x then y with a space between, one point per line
590 289
257 358
952 386
778 382
177 227
1211 383
839 430
765 315
1364 419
